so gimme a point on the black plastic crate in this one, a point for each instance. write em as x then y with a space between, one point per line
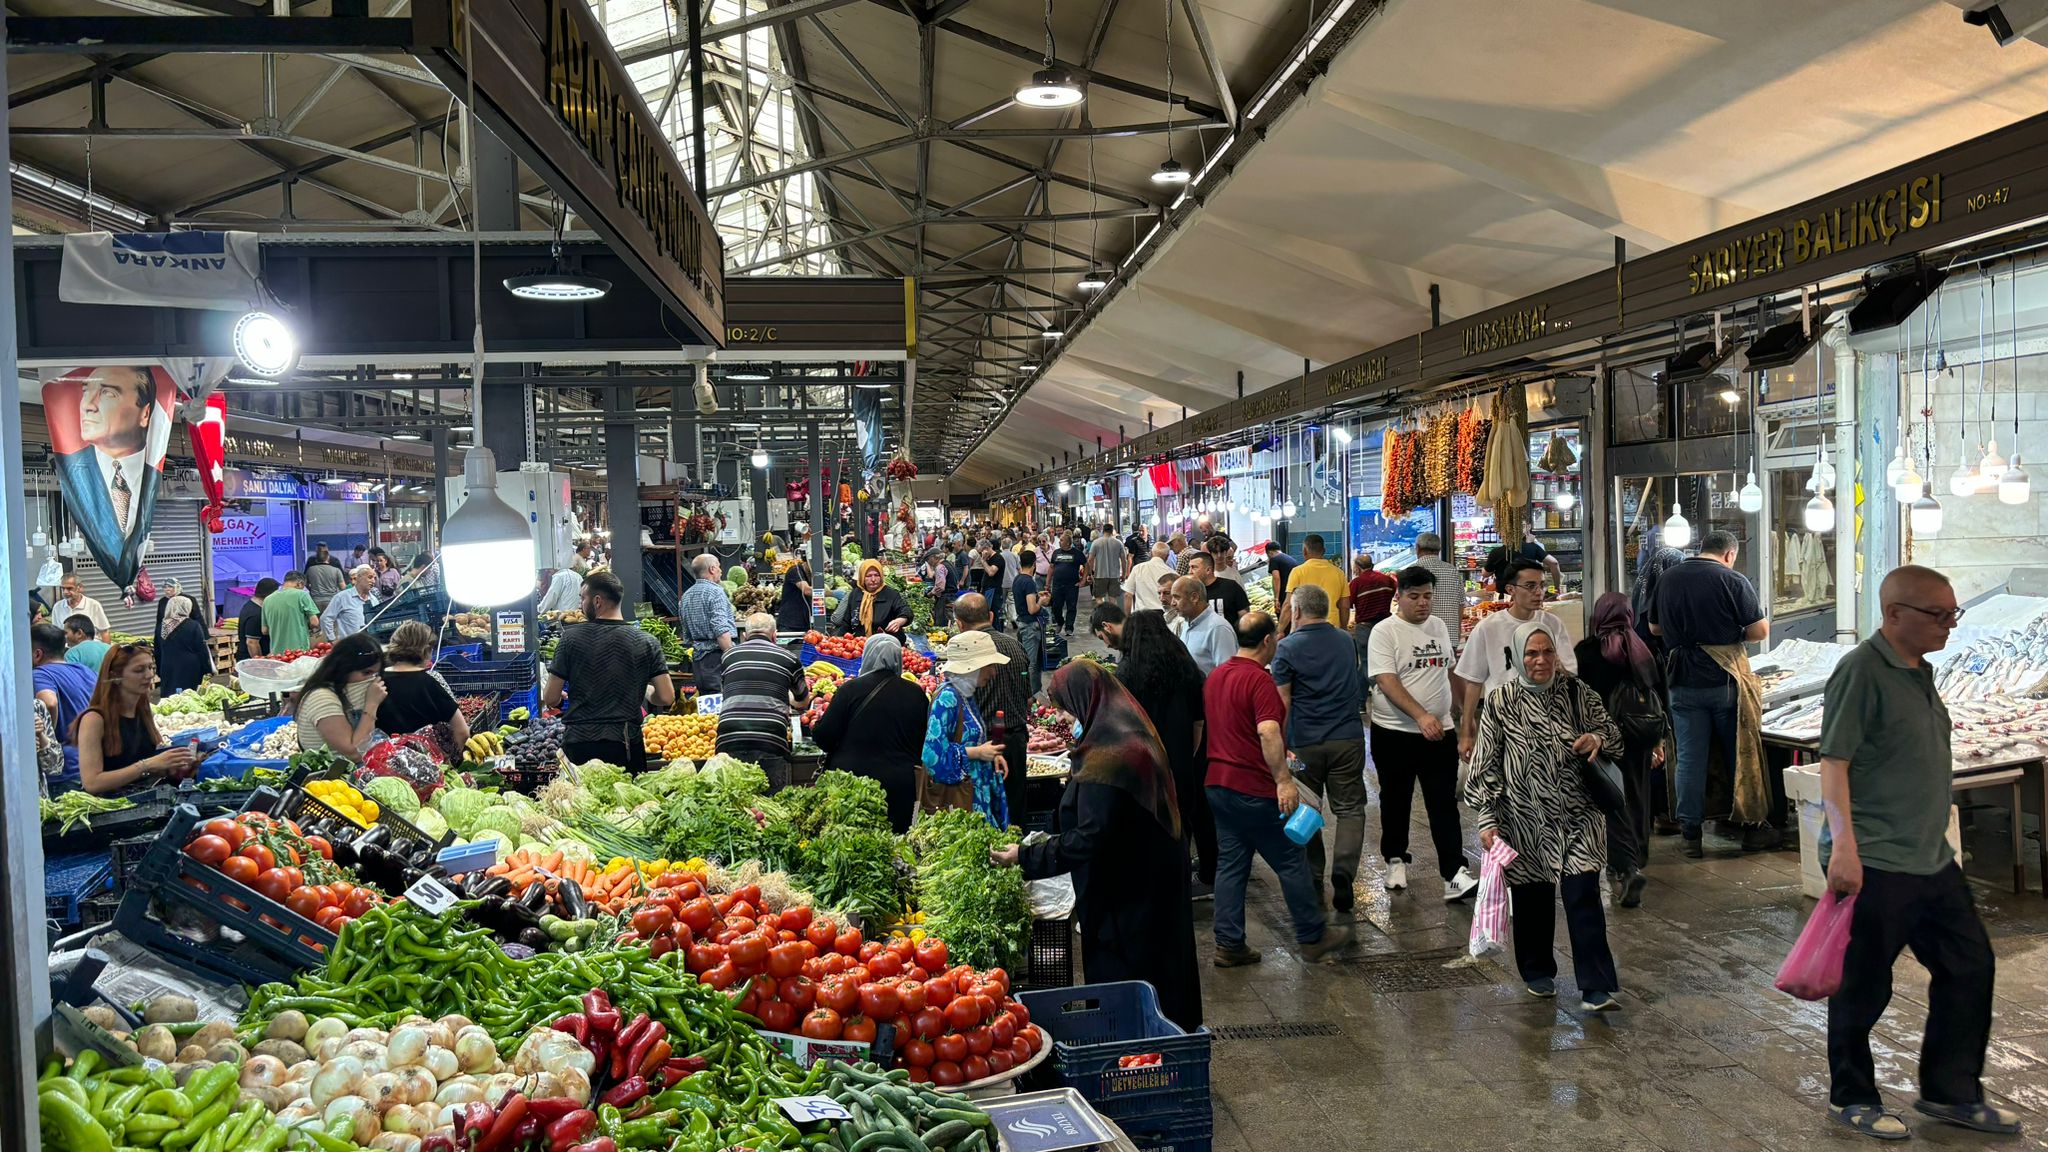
1049 962
150 808
127 858
260 708
298 804
277 942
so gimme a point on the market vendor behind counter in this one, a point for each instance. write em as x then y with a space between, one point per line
871 606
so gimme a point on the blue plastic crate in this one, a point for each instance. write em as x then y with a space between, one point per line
529 700
71 878
1093 1026
466 676
809 654
474 650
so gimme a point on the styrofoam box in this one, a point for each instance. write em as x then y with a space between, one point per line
1802 790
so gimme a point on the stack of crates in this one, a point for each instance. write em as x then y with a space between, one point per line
1161 1106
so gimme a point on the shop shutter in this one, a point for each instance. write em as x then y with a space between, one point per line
1365 472
176 555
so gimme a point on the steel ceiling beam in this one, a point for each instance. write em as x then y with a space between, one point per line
1037 56
1200 26
903 116
207 34
654 48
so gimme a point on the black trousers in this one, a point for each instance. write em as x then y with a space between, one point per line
1936 917
629 754
1628 838
1534 908
1403 760
1066 601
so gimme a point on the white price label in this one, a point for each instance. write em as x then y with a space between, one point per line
802 1109
431 895
708 703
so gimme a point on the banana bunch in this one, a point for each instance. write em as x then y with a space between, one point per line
484 745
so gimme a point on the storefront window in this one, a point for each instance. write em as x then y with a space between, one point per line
1643 506
1556 501
1638 403
1710 406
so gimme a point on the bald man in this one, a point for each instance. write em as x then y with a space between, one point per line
1210 639
762 681
1141 584
1885 774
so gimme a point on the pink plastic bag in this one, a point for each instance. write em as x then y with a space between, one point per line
1813 969
1490 909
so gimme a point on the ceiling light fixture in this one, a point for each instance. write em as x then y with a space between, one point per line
1171 175
760 457
556 282
1094 281
265 344
748 373
463 428
407 434
1050 88
1053 332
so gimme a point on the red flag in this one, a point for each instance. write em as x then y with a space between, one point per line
209 449
1165 478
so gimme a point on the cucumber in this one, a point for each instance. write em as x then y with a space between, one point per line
874 1141
945 1134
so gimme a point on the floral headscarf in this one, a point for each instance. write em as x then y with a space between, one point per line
1119 747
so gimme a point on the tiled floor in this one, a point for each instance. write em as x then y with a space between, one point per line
1705 1053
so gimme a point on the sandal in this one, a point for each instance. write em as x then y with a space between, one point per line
1871 1120
1980 1117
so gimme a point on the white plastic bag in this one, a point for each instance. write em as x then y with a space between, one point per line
1490 910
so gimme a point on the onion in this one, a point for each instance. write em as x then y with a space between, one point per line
456 1022
340 1077
396 1142
498 1086
375 1035
442 1063
303 1072
551 1051
415 1085
263 1072
375 1057
293 1113
360 1111
462 1090
407 1118
575 1083
446 1115
474 1050
407 1047
327 1027
327 1049
439 1034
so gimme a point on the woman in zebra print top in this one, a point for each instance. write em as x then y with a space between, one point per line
1525 788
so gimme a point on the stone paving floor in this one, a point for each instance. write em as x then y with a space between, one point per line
1705 1054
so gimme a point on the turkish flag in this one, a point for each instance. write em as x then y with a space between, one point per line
1165 478
209 450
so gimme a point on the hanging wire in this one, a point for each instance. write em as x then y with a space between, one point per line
1169 78
1050 54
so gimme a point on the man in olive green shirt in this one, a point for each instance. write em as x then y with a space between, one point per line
289 615
1885 774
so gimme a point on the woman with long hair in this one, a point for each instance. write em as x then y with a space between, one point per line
183 659
1121 839
338 703
1157 670
118 744
416 696
1616 663
875 727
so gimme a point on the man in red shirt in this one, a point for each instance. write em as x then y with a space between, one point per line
1372 600
1252 792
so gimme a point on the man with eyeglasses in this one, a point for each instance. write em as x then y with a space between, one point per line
1885 775
1705 612
1491 658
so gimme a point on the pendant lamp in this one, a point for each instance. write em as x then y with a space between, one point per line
1963 481
1896 470
2013 487
1907 490
1751 498
1288 510
1820 513
1677 530
1926 513
1565 501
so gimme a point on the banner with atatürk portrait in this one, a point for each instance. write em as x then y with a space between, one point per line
109 428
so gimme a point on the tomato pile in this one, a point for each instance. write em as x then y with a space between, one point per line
282 864
843 647
1141 1060
313 653
798 972
916 663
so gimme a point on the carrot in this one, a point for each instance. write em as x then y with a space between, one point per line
498 869
522 876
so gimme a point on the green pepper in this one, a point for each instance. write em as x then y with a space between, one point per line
205 1088
124 1102
201 1123
82 1066
66 1087
168 1102
71 1127
144 1122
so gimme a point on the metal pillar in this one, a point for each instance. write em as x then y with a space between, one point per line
682 433
437 499
494 173
622 491
1848 592
1877 417
820 501
24 945
759 479
507 409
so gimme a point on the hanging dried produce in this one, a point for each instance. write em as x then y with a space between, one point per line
1397 467
1439 447
1474 430
1558 455
1506 485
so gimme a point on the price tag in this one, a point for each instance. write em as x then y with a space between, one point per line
708 703
802 1109
431 895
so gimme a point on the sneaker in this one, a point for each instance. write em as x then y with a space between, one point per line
1342 898
1236 957
1599 1002
1332 942
1543 988
1397 875
1694 850
1460 886
1632 889
1200 891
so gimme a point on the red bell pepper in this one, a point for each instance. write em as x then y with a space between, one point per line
601 1144
552 1108
571 1129
626 1092
575 1024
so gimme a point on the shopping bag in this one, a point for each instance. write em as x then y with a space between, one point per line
1813 969
1490 911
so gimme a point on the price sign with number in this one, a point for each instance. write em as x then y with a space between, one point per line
803 1109
431 895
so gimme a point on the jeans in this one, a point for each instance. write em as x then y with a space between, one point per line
1405 759
1361 636
1031 634
777 768
1248 824
1066 601
1534 907
1937 918
1700 718
1336 769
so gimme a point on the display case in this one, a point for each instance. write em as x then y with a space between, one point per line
1557 508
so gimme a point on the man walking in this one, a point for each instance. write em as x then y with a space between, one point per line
249 622
1316 569
1447 595
1252 793
610 669
762 682
1706 611
1318 682
1005 701
1410 663
1885 775
1108 564
1068 562
324 576
1209 638
347 614
1141 583
1490 659
1227 595
704 617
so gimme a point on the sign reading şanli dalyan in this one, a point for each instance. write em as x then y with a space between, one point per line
1878 218
580 91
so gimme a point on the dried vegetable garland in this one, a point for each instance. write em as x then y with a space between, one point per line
1398 480
1474 430
1439 444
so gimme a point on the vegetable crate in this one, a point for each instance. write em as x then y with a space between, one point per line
127 858
151 807
299 804
809 653
474 650
1190 1133
466 676
1049 961
70 879
528 699
276 941
1094 1026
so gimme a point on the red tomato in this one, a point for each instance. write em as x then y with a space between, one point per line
815 970
748 893
1004 1028
998 977
838 994
855 974
785 960
902 1026
305 901
274 884
1032 1039
918 1054
741 910
341 890
1018 1012
255 819
319 844
651 919
984 1007
869 951
931 955
938 993
847 943
980 1041
903 948
916 974
748 951
1000 1061
885 965
235 834
962 1014
1019 1051
661 946
777 1016
858 1030
910 997
823 1024
721 975
920 1075
698 914
330 917
209 850
927 1024
800 991
946 1073
821 933
796 919
740 925
703 958
951 1046
975 1068
360 900
879 1000
749 1004
293 876
240 869
265 859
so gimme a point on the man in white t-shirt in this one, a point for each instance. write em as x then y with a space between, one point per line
1141 587
1409 659
1489 660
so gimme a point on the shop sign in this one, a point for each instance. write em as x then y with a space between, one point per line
548 81
250 543
1876 218
239 485
250 448
511 638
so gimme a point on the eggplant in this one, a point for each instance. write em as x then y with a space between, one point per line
490 886
494 912
376 835
534 900
574 905
533 938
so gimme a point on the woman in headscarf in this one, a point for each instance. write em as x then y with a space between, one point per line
888 713
1616 663
183 659
872 606
1120 837
1526 789
962 767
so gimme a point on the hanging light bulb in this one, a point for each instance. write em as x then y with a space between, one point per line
1963 481
2013 487
1992 466
1907 490
1751 498
1288 509
1677 530
1824 471
1820 513
1926 513
1565 500
1897 468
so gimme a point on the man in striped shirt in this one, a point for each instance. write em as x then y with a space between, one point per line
1447 603
762 682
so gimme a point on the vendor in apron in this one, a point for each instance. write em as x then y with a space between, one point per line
118 745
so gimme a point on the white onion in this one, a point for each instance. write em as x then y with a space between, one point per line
474 1049
575 1083
375 1057
365 1117
442 1063
303 1072
462 1090
263 1072
374 1035
381 1090
322 1029
455 1022
439 1034
340 1077
407 1118
396 1142
407 1047
415 1085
